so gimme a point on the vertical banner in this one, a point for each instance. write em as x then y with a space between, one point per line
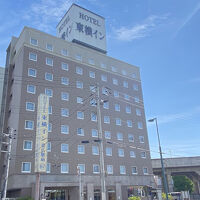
41 133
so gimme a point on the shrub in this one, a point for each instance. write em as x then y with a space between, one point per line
24 198
134 198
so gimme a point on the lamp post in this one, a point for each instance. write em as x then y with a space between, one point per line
161 158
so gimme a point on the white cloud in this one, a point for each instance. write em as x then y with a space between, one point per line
140 30
188 18
47 12
163 119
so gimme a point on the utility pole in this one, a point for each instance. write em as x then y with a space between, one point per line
10 135
102 167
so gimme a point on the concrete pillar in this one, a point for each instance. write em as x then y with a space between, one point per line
42 187
66 194
170 183
118 191
90 191
33 190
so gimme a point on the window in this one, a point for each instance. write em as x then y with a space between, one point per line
133 75
95 150
79 84
121 152
64 168
80 115
49 61
64 52
49 127
50 110
122 169
93 117
32 72
81 168
34 42
31 89
129 123
64 129
26 167
117 107
118 122
64 66
30 106
137 100
119 136
49 92
93 88
92 74
91 61
48 76
94 133
65 96
128 109
115 81
64 112
49 47
80 131
125 84
49 147
134 170
138 112
141 139
64 148
29 124
78 57
105 91
145 170
106 105
79 70
140 125
116 93
126 97
33 56
103 77
109 169
27 145
93 102
48 170
106 119
81 149
135 87
114 69
124 72
143 154
64 81
79 100
132 154
103 65
130 137
108 151
107 134
96 169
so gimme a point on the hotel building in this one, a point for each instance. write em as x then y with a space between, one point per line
69 68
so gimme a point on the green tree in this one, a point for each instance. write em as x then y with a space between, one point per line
183 183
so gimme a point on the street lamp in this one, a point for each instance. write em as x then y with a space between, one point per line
161 158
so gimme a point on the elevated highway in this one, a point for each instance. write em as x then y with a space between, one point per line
188 166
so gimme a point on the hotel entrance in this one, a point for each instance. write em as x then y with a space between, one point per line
55 195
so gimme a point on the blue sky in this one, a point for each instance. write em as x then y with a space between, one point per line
161 37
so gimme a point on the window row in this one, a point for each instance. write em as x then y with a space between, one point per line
65 81
78 57
81 150
80 115
64 168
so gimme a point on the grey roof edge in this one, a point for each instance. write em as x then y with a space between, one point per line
81 8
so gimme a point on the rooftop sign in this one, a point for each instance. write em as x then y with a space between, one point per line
84 27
